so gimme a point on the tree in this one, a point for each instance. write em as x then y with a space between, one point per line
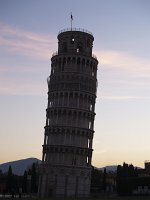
104 180
34 178
96 180
126 175
131 171
10 180
24 182
125 170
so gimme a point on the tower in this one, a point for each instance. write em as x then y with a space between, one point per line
67 151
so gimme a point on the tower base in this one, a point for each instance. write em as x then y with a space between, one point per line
64 181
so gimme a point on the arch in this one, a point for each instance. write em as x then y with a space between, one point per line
64 60
78 61
73 60
87 62
83 61
68 60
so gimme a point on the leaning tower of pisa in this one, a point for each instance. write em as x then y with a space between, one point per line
67 150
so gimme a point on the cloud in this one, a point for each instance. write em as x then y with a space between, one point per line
18 87
122 76
124 62
18 41
100 151
119 97
23 75
117 69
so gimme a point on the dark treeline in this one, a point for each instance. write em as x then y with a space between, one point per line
127 176
14 184
98 180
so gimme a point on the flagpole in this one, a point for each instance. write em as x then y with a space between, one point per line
71 20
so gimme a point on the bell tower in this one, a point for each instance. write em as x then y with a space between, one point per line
67 150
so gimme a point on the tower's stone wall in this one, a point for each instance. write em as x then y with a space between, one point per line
70 113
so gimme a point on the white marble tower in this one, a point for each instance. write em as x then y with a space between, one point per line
67 149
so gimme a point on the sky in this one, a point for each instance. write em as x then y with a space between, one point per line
28 38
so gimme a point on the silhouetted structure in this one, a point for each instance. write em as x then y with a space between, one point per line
13 185
147 167
126 176
67 149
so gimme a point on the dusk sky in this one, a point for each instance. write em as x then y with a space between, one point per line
28 37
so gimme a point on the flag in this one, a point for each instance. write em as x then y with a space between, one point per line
71 17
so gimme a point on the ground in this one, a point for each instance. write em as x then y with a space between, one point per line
106 197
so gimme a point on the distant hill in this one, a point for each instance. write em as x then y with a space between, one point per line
19 166
111 168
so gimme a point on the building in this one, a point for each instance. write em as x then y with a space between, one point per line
143 182
67 149
111 183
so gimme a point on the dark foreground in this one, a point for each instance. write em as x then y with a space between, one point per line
96 197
